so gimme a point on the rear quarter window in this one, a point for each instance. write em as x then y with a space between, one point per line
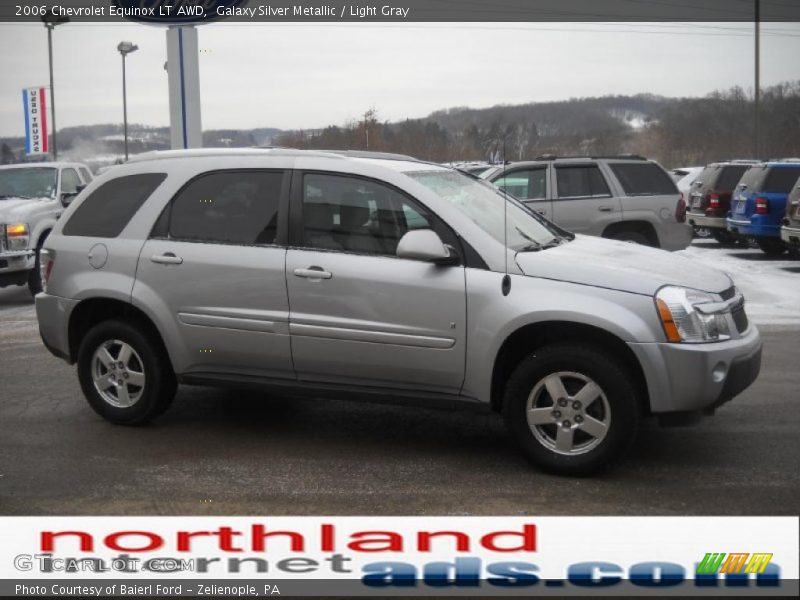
643 179
107 210
780 180
730 177
753 177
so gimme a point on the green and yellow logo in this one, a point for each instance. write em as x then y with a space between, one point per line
719 562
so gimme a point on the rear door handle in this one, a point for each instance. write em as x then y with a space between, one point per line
604 208
313 273
168 258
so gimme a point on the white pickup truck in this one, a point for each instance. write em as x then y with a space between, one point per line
32 197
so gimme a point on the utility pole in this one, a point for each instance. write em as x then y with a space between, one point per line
124 49
50 20
757 94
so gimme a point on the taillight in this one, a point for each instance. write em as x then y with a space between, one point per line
713 201
47 258
762 206
680 210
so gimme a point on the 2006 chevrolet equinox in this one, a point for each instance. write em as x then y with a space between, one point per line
379 275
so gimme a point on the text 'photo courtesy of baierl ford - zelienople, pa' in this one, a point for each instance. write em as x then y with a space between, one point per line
399 298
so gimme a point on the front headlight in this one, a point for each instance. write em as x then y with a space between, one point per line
17 236
685 319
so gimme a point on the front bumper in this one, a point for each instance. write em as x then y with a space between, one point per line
790 235
17 262
704 221
53 314
695 377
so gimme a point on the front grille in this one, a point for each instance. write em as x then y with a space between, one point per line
740 318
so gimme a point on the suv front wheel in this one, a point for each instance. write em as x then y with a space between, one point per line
571 408
124 373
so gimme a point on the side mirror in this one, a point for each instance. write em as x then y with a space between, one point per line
67 198
425 244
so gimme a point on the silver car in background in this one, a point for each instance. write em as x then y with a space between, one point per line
349 275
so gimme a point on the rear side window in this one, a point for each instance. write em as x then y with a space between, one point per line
107 210
780 180
730 177
87 176
228 207
581 181
643 179
69 181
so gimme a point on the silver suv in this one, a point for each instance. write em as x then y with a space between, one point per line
625 198
337 274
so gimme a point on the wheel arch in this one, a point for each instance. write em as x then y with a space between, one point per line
646 228
529 337
92 311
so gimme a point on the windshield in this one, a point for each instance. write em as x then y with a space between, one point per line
35 182
483 204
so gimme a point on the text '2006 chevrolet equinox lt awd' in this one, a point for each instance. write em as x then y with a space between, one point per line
346 273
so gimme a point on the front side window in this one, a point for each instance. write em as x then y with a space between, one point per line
581 181
483 204
228 207
70 181
87 176
34 182
525 184
107 210
350 214
643 179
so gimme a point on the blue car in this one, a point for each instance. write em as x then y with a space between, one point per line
759 203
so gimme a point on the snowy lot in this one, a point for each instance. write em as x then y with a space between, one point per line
771 286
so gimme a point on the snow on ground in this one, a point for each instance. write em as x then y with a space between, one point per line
771 286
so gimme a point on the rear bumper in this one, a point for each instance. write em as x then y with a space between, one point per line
696 377
755 230
675 236
53 314
790 235
704 221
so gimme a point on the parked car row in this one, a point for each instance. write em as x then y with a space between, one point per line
748 200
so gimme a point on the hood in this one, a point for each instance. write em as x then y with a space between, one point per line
621 266
12 209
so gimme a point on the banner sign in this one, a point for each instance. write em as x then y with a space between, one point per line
384 556
35 109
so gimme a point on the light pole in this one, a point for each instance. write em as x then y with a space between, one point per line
50 21
125 48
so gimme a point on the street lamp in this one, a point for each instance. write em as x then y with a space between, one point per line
50 20
125 48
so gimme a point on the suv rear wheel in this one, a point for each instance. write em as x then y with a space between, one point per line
634 237
124 373
571 408
771 246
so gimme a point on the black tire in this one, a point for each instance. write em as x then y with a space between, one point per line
723 237
158 391
35 276
771 246
634 237
595 364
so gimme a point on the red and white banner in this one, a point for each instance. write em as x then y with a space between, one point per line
35 108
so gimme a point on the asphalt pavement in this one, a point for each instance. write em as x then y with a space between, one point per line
218 452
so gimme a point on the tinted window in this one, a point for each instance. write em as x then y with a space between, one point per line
233 207
581 181
525 184
643 179
69 181
107 210
357 215
753 177
730 177
780 180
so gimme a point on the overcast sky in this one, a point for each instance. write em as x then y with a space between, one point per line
304 76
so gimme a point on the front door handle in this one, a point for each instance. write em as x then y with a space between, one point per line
168 258
604 208
541 211
313 273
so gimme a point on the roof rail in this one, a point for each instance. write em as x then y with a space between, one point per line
623 156
371 154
